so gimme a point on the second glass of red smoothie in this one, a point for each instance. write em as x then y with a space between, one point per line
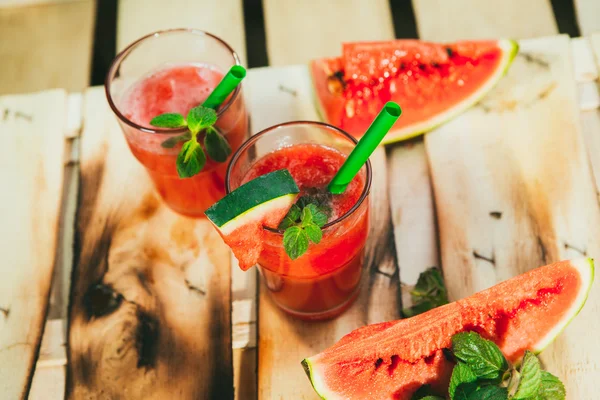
174 71
324 281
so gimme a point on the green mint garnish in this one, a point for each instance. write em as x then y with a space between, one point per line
551 388
169 120
489 393
172 141
216 145
425 392
191 158
461 374
302 225
482 373
483 356
530 377
200 118
295 241
428 293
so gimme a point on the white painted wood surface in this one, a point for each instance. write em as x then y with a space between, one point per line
31 167
290 42
441 20
526 161
224 18
170 275
298 31
588 16
46 46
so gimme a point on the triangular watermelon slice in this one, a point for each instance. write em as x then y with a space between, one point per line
392 360
432 82
241 215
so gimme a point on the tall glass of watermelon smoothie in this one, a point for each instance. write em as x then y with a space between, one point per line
324 281
174 71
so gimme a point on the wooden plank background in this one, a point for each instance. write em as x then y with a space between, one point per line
150 311
407 220
31 169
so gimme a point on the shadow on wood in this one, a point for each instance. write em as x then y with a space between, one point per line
150 312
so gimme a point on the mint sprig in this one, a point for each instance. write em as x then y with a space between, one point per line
483 356
302 225
483 373
429 292
191 158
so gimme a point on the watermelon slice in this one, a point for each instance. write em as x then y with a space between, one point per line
432 82
392 360
240 216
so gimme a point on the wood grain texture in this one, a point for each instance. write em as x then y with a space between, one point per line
441 20
32 167
298 31
224 18
150 312
413 213
50 46
514 191
587 12
284 341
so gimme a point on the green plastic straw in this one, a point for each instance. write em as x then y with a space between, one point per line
227 85
365 147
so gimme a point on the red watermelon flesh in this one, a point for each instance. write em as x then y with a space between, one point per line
432 82
392 360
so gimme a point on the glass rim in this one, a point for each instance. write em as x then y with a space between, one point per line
254 138
130 47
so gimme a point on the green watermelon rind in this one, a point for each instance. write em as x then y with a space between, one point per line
313 377
510 49
586 269
253 201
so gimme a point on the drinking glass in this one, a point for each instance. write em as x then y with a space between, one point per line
324 281
157 52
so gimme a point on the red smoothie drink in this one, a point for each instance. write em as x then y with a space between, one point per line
176 88
322 282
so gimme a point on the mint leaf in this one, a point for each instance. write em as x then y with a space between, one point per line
191 159
301 225
551 388
314 233
216 145
294 213
295 242
465 390
172 141
483 356
292 217
168 120
460 374
428 293
307 215
319 217
425 392
199 118
489 393
531 377
286 223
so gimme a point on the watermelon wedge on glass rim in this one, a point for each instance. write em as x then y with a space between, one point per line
391 360
432 82
240 216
